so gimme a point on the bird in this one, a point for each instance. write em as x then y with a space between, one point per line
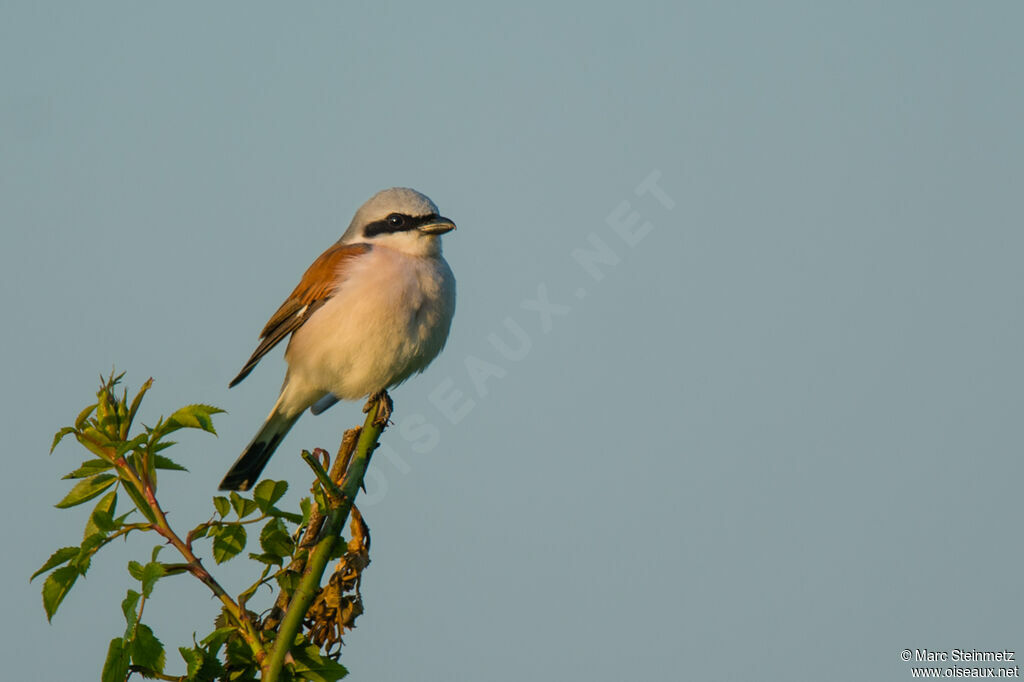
372 310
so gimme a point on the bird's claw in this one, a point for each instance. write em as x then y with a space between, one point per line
382 399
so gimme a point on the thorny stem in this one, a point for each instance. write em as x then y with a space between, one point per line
309 583
314 525
194 565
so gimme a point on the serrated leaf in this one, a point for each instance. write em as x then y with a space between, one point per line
239 656
128 605
268 559
193 661
200 531
281 514
319 498
267 492
151 572
59 436
96 442
161 462
242 506
192 417
215 640
222 505
84 415
161 445
56 588
287 581
140 503
87 489
131 445
311 665
89 546
147 651
115 668
137 400
275 540
89 468
135 569
238 503
251 590
228 542
101 520
61 556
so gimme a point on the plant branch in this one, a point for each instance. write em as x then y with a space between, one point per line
340 506
195 567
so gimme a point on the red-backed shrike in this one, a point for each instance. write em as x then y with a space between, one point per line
370 312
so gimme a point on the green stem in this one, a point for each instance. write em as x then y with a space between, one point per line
196 568
309 584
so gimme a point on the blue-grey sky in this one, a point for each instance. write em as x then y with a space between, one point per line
772 432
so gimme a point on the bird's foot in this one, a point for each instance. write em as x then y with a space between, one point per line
382 399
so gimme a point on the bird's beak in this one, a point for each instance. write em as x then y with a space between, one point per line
439 226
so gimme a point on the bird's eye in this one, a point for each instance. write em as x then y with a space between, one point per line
396 220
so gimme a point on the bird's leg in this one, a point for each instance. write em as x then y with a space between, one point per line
384 412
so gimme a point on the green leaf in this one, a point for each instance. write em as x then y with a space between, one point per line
61 556
161 462
200 531
155 447
287 516
102 518
251 590
89 547
87 489
320 498
193 661
274 539
131 445
243 506
228 541
83 416
128 609
90 468
267 492
56 588
215 640
135 568
137 400
311 665
202 664
269 559
59 436
140 502
115 669
147 651
151 572
96 442
239 657
223 505
192 417
287 581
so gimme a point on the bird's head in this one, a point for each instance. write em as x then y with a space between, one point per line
401 219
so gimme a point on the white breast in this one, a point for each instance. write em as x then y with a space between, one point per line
388 320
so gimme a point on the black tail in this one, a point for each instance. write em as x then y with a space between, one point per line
247 468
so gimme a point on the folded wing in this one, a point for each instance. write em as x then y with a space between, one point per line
317 285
